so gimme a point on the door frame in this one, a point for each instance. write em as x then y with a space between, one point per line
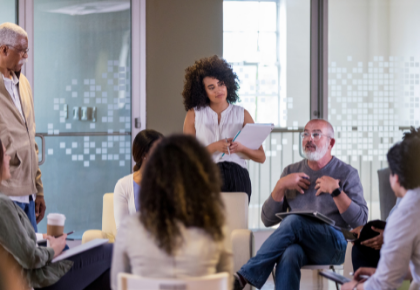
138 57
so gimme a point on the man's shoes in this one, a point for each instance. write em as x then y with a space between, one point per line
237 283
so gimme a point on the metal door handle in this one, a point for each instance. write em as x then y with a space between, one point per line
43 149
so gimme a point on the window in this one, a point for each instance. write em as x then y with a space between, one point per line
268 45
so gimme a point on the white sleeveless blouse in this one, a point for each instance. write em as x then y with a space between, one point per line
207 129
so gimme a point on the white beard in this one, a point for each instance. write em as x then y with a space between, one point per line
318 154
23 61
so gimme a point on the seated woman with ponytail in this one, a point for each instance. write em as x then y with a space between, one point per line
127 189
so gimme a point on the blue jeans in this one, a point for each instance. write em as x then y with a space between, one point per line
29 209
298 241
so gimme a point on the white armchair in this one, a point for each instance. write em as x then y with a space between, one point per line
236 206
211 282
109 229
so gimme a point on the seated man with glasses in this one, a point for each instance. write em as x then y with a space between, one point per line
319 183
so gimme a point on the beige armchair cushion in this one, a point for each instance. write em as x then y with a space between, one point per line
109 228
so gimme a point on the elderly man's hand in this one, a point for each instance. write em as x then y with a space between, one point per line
376 242
39 208
326 184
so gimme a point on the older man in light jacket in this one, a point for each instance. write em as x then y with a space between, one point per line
17 125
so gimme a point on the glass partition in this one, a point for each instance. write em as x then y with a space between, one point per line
82 94
8 11
373 77
268 45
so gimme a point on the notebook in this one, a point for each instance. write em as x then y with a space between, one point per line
80 249
312 214
349 236
334 277
252 136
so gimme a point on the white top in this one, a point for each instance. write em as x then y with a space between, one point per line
124 199
13 90
136 252
208 130
401 245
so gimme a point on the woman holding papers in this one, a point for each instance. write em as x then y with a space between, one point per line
18 239
210 89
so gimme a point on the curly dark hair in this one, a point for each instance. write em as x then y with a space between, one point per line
404 160
180 185
194 93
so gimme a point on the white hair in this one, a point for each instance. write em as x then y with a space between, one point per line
9 33
330 128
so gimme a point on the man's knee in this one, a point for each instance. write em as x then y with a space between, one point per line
292 255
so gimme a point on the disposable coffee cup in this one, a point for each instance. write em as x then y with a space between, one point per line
55 224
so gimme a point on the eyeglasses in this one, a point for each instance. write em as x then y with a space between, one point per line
315 135
22 52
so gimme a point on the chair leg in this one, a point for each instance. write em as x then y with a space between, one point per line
273 272
336 284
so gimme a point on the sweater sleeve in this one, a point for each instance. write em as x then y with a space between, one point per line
271 207
121 200
16 239
357 213
269 210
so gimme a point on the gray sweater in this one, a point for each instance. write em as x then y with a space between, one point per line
17 236
354 216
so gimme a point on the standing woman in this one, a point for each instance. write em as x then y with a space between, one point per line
127 189
210 89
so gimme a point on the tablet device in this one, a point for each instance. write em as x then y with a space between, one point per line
312 214
340 279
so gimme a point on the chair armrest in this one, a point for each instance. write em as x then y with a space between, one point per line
90 235
242 247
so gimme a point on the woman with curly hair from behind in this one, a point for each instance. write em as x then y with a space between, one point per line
180 230
210 91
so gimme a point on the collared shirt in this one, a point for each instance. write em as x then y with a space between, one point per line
401 245
13 90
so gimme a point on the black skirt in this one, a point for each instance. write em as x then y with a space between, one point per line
235 178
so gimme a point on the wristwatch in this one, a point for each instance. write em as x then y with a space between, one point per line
337 191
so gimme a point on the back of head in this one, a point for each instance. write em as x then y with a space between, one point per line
404 160
180 185
141 145
9 33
